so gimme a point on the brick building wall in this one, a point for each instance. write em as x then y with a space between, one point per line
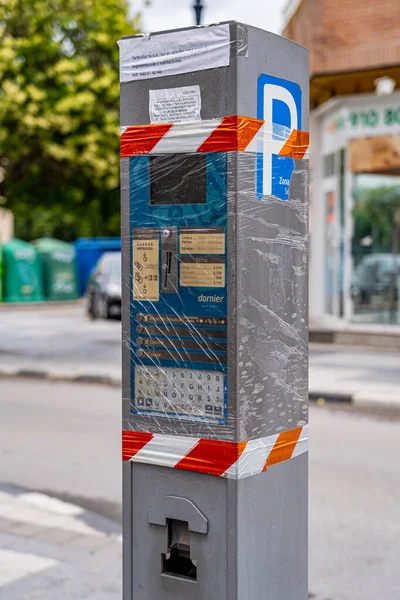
347 35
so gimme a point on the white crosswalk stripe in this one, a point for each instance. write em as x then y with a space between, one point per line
46 512
17 565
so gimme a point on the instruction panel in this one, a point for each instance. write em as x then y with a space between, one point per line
146 265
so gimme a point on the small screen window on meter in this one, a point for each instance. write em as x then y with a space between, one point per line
178 179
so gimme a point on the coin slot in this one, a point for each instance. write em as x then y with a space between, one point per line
167 268
169 261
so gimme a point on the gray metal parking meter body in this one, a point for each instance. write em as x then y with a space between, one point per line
215 308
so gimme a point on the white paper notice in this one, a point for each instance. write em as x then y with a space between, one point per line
175 105
148 56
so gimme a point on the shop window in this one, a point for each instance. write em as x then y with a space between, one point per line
375 282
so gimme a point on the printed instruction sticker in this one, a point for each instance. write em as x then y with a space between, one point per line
203 271
146 265
175 105
202 241
148 56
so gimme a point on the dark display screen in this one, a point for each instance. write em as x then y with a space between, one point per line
178 179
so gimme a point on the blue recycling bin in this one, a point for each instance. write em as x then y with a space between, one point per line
88 252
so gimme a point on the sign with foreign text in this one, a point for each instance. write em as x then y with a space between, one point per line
279 105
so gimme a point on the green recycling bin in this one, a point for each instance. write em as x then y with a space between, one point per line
59 269
22 275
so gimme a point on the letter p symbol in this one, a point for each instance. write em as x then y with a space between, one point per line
279 105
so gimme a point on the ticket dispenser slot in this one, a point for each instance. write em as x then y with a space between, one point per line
177 562
180 517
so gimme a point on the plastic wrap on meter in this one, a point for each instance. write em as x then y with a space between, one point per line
211 304
232 133
215 243
149 56
179 286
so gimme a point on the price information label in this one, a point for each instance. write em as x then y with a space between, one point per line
203 271
146 265
210 240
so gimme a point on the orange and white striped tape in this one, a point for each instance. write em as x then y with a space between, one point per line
230 134
234 460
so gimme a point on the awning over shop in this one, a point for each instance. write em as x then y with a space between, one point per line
326 86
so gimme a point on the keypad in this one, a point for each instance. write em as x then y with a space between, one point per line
179 391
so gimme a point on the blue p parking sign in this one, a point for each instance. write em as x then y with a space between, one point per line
279 105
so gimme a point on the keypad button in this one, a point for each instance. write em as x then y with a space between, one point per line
179 391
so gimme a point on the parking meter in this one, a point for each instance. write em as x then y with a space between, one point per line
214 184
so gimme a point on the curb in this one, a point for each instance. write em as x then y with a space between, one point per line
360 399
61 377
324 397
357 400
380 341
39 306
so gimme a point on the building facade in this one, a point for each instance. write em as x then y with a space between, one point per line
355 157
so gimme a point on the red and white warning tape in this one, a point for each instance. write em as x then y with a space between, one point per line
234 460
230 134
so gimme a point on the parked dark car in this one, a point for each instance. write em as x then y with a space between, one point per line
374 278
103 291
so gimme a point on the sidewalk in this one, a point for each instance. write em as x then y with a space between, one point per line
52 550
354 374
59 342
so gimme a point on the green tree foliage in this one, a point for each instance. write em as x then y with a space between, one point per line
59 115
374 216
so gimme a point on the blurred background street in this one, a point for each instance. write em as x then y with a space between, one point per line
63 440
68 446
61 342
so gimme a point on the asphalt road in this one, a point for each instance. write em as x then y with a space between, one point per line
65 439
